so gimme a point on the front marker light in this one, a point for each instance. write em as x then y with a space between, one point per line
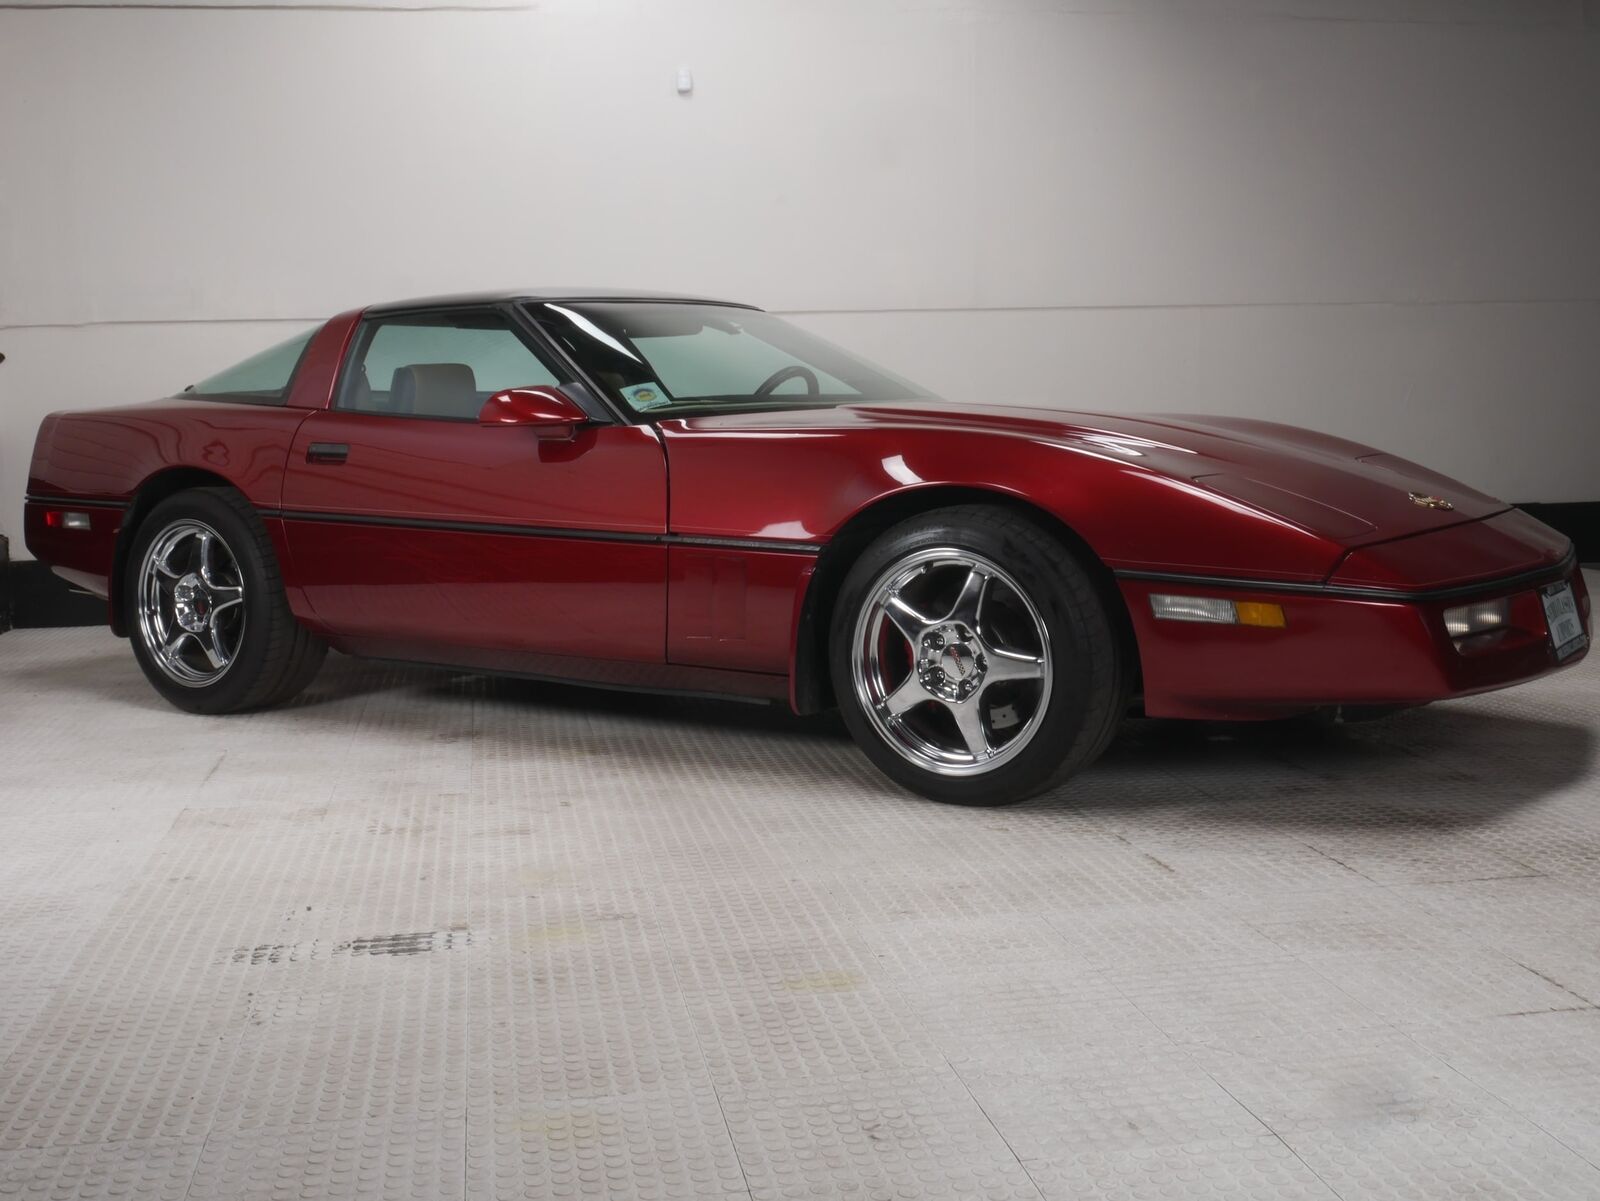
1216 610
1466 620
1260 613
1194 608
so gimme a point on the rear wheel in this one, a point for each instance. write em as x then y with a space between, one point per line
206 611
974 659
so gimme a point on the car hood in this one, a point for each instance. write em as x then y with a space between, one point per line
1346 491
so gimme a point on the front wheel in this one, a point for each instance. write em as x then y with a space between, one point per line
206 611
974 659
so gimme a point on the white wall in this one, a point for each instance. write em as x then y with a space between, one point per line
1374 217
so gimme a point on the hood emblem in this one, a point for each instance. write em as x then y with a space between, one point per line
1430 502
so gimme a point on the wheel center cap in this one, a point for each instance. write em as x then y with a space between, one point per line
950 662
191 603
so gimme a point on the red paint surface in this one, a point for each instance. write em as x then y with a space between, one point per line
548 410
108 454
733 609
1332 652
618 598
512 591
81 557
111 454
1125 486
1459 555
314 380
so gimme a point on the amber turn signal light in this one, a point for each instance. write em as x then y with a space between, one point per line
1260 613
1216 610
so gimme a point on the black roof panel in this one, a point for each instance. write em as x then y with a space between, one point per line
544 294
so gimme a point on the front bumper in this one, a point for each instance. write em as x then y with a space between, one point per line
1341 648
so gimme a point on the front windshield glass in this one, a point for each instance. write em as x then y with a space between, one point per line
673 359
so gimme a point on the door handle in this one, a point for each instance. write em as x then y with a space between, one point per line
327 452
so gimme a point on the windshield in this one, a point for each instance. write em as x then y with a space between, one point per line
666 359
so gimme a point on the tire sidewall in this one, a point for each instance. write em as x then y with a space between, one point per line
243 543
1023 550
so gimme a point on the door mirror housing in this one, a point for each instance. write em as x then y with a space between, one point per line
548 412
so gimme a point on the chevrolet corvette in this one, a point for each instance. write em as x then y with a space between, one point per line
665 492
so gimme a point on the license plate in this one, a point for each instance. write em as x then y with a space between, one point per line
1561 616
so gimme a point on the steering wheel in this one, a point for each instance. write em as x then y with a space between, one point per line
784 374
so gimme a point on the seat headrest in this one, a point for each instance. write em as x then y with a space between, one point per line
435 390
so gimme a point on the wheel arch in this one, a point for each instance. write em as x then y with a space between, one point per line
810 688
156 488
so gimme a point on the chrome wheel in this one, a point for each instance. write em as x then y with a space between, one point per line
951 662
191 603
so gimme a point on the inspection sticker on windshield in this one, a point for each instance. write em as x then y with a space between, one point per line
1561 615
646 396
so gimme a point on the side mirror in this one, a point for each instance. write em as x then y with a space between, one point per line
549 412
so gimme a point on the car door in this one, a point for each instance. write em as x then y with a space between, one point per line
418 533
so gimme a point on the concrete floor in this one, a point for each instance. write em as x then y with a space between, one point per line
438 936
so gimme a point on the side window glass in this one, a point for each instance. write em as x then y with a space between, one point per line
438 365
261 377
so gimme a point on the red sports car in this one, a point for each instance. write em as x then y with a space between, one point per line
673 493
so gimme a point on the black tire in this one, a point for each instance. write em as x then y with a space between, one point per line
275 656
1090 674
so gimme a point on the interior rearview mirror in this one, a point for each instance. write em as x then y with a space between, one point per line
548 411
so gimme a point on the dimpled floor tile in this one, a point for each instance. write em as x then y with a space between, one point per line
1357 1079
655 1145
1551 1057
1545 1066
1107 872
1168 933
110 1063
1569 960
1503 1156
887 1135
332 1161
1250 868
910 951
1246 1168
998 1017
534 1035
58 880
1415 851
139 1170
1070 862
1203 1002
1419 988
366 1035
1071 1101
829 1025
422 933
1407 930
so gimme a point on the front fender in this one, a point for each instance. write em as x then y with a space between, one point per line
806 485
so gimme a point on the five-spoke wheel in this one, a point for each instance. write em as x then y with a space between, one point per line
952 661
191 603
975 657
205 606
